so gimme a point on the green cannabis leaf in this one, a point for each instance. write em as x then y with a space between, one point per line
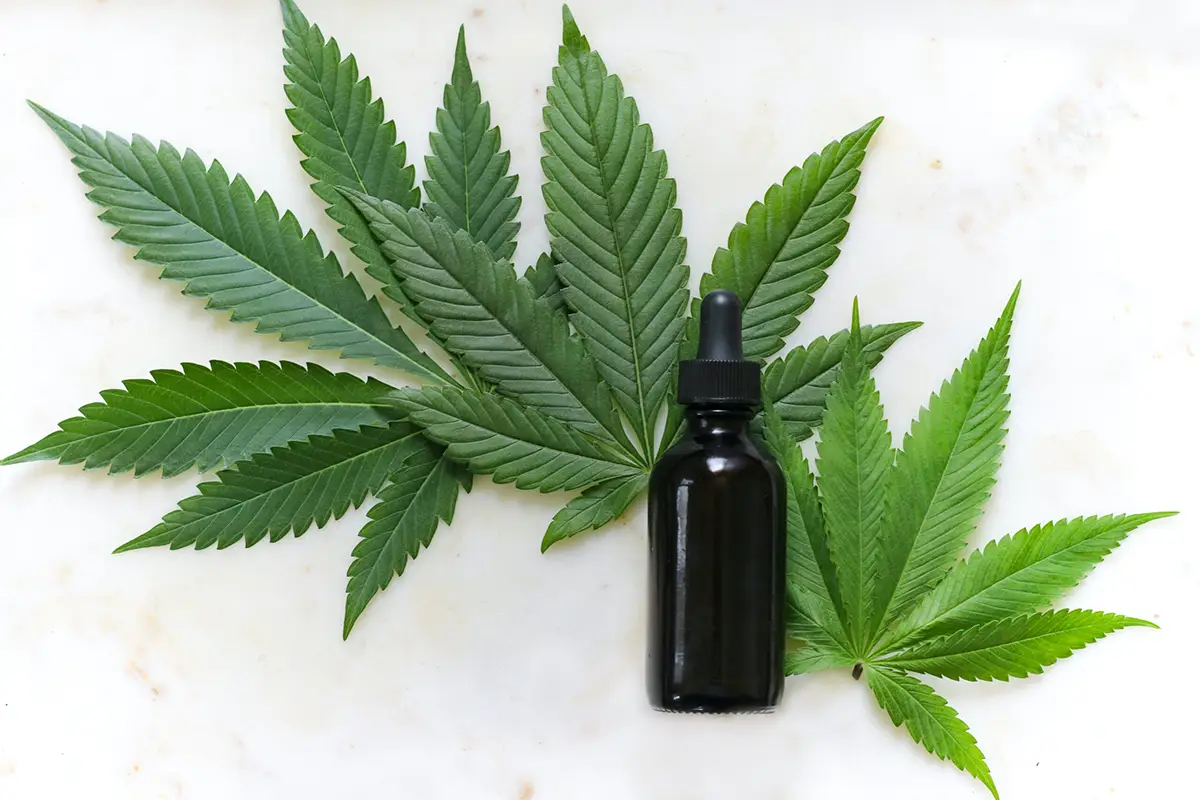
483 313
208 417
779 256
930 720
614 225
559 377
511 442
872 543
469 185
569 386
421 492
286 490
344 136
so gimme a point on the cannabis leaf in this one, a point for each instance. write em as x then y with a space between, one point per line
873 538
944 474
1015 647
469 185
595 508
1018 574
561 374
422 491
809 562
286 490
797 384
344 135
493 321
352 149
779 256
570 391
304 444
855 459
930 720
511 442
615 228
210 416
232 248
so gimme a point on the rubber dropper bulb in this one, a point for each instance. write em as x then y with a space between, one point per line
720 327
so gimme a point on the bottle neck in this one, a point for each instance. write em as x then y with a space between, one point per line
706 421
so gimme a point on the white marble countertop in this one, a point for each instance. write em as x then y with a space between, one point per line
1049 142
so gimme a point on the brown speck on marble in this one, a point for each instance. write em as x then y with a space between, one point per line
935 164
965 223
136 671
477 12
526 791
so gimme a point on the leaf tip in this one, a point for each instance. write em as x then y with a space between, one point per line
1004 323
293 17
859 139
461 74
15 458
48 116
160 534
353 612
555 533
573 38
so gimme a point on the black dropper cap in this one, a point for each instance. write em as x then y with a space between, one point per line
718 375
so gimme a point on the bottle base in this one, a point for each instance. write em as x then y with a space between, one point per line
715 711
713 705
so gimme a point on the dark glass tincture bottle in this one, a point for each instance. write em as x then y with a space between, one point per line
717 538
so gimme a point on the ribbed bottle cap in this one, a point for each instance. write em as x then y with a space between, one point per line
718 374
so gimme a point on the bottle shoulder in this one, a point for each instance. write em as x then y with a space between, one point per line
690 457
